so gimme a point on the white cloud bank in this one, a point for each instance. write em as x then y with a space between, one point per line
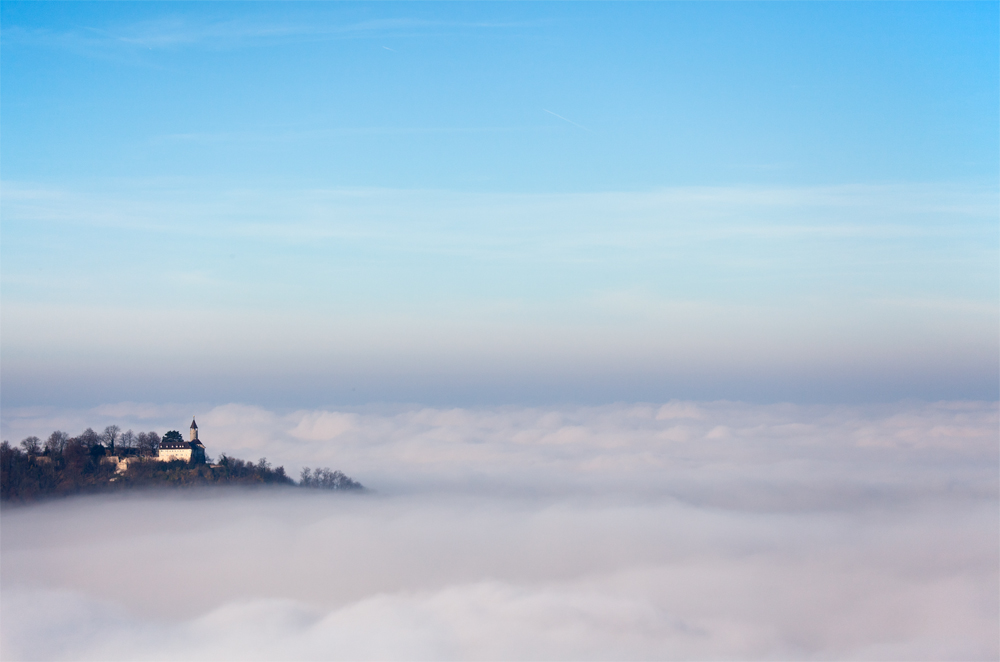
675 531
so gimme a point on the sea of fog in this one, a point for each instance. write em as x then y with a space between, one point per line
630 531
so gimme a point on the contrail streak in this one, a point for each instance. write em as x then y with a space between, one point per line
566 120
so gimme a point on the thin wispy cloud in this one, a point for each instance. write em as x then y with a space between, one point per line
281 135
675 214
579 126
178 33
824 285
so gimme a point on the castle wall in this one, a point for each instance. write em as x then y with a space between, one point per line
122 463
168 454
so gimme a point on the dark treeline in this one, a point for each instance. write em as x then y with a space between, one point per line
326 479
115 460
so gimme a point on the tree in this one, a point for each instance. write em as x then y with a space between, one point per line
173 435
31 445
128 440
56 443
89 438
147 443
328 480
76 453
9 469
110 436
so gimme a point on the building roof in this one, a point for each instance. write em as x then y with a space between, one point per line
174 444
194 426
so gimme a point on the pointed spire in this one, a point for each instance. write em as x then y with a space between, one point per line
194 426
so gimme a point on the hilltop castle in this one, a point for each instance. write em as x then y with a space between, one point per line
172 447
178 449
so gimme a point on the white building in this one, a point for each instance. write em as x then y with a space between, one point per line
171 449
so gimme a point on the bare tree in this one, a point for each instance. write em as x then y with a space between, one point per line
31 445
89 438
56 443
128 440
323 478
148 442
110 436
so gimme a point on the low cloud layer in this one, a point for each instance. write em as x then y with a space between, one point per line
647 531
676 447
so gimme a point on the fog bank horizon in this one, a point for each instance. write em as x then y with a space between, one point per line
629 445
680 530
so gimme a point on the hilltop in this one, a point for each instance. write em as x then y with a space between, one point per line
115 461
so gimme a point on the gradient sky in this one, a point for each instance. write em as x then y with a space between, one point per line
322 204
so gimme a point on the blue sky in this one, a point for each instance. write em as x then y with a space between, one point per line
322 204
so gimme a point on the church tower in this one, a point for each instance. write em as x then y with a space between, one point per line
194 430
